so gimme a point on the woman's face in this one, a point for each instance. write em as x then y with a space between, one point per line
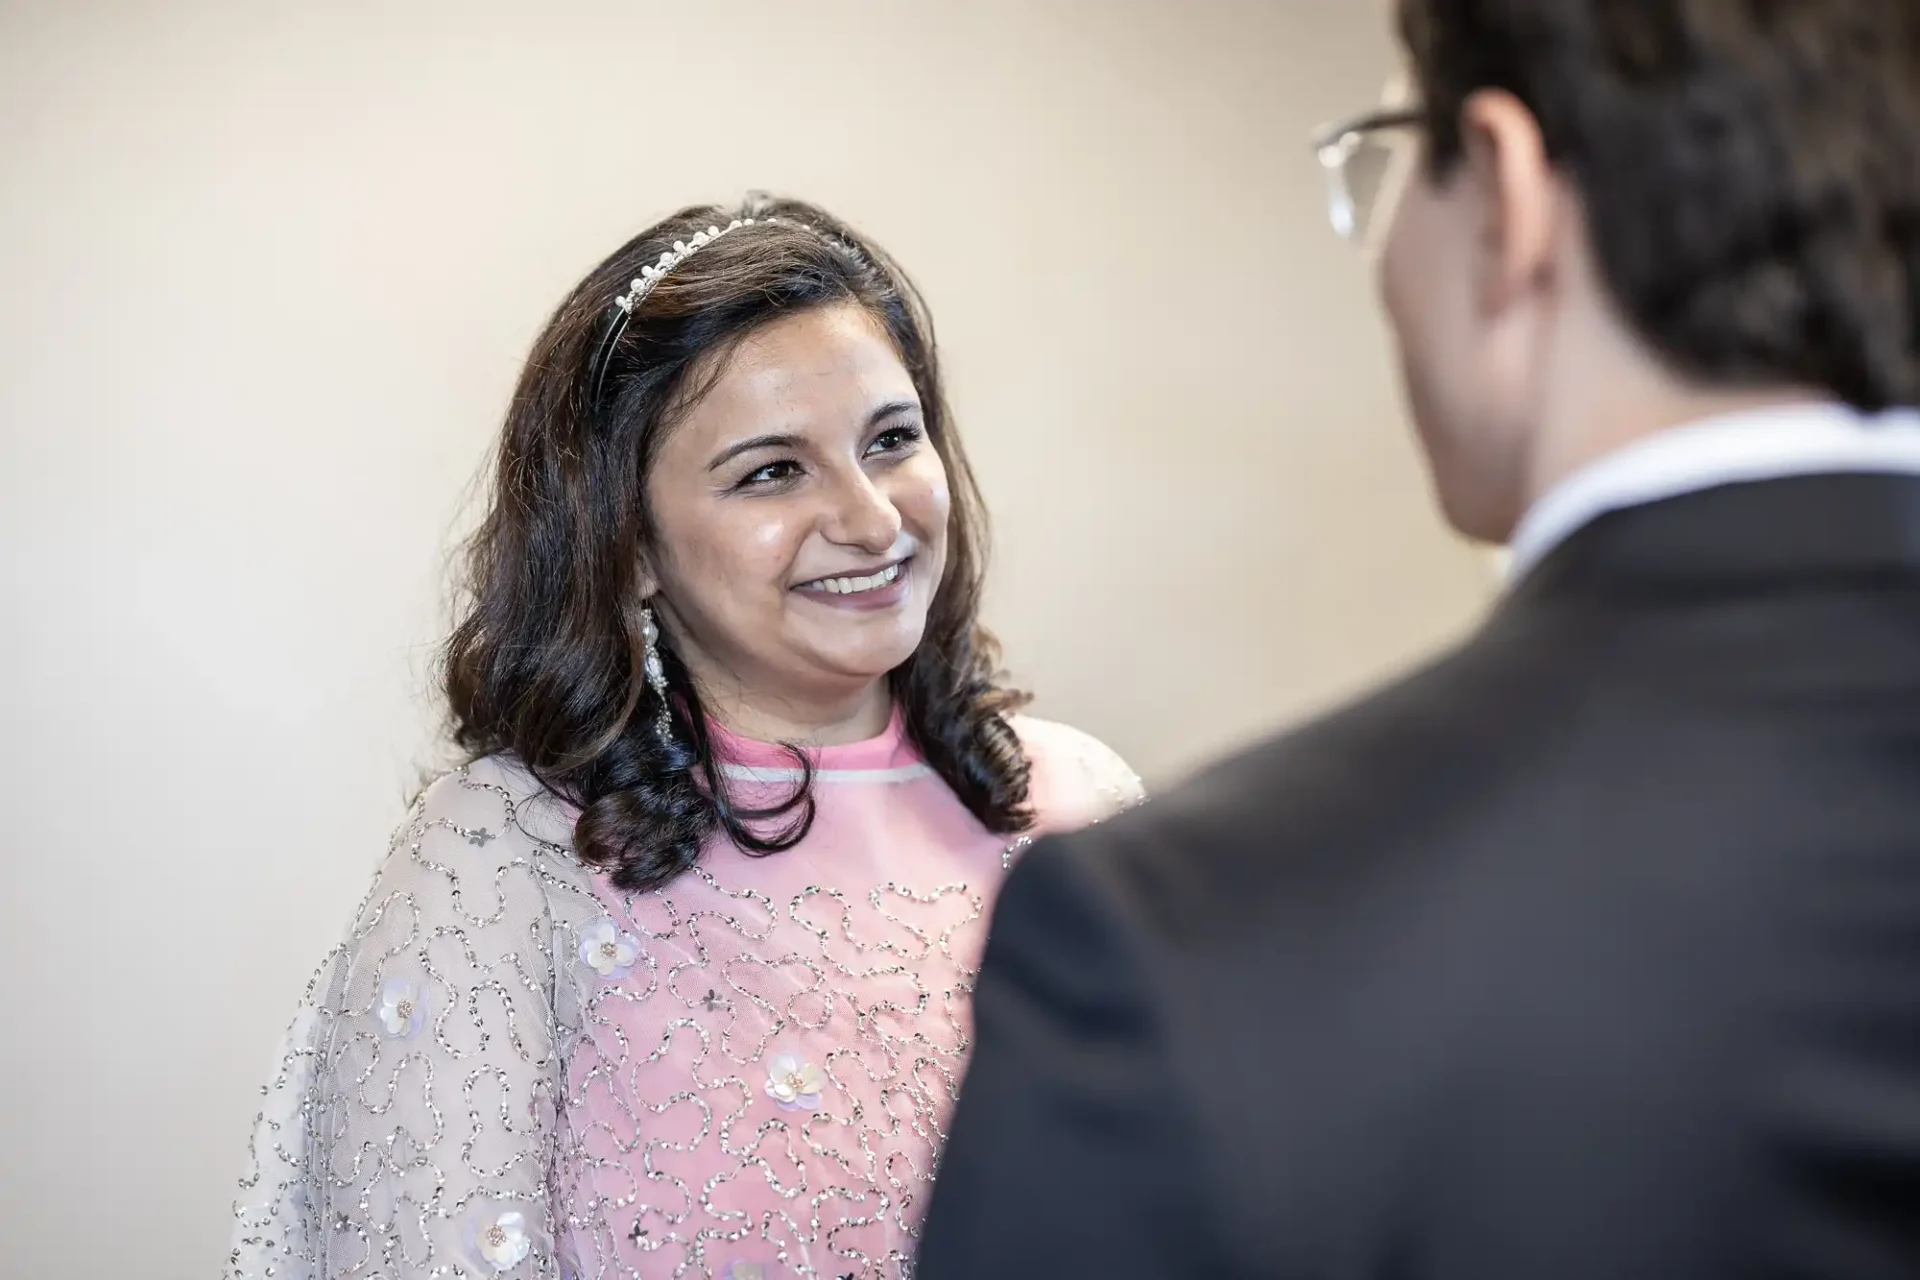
800 514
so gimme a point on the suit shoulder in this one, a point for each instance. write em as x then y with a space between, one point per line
1417 724
1384 775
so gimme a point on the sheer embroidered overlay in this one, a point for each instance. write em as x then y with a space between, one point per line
511 1069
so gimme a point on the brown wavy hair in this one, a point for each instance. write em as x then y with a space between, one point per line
545 661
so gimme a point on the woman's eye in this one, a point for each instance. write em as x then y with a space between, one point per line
894 440
772 473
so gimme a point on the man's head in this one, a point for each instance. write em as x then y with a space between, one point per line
1629 213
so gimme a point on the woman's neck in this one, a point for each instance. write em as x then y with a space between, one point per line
829 722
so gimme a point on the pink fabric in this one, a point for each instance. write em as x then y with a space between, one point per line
508 1069
767 1066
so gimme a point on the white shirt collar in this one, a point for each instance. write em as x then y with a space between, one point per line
1764 444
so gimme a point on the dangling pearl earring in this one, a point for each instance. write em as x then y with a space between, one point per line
656 674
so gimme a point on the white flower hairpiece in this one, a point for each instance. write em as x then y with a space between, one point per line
643 284
651 276
653 273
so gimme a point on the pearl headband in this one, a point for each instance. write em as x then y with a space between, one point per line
650 276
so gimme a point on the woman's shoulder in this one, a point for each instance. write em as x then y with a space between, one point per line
1076 779
495 798
485 831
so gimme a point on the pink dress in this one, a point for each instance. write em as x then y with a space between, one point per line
512 1069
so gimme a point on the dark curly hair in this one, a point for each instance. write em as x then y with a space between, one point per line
1750 168
545 663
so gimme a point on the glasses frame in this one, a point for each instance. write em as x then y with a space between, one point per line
1335 148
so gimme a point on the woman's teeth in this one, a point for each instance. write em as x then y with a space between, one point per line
854 586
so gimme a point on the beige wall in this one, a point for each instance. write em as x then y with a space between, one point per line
267 269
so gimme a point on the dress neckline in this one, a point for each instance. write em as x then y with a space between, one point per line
888 756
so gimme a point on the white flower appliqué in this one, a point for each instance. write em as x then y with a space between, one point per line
607 951
401 1008
503 1243
795 1085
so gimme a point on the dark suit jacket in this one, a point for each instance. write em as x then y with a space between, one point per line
1592 950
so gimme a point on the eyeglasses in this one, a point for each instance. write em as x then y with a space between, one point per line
1364 160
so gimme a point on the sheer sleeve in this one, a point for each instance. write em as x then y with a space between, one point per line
1077 780
411 1127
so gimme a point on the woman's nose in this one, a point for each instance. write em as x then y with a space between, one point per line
862 515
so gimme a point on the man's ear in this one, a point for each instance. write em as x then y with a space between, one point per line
1519 196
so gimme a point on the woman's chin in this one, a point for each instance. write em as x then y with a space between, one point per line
865 662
